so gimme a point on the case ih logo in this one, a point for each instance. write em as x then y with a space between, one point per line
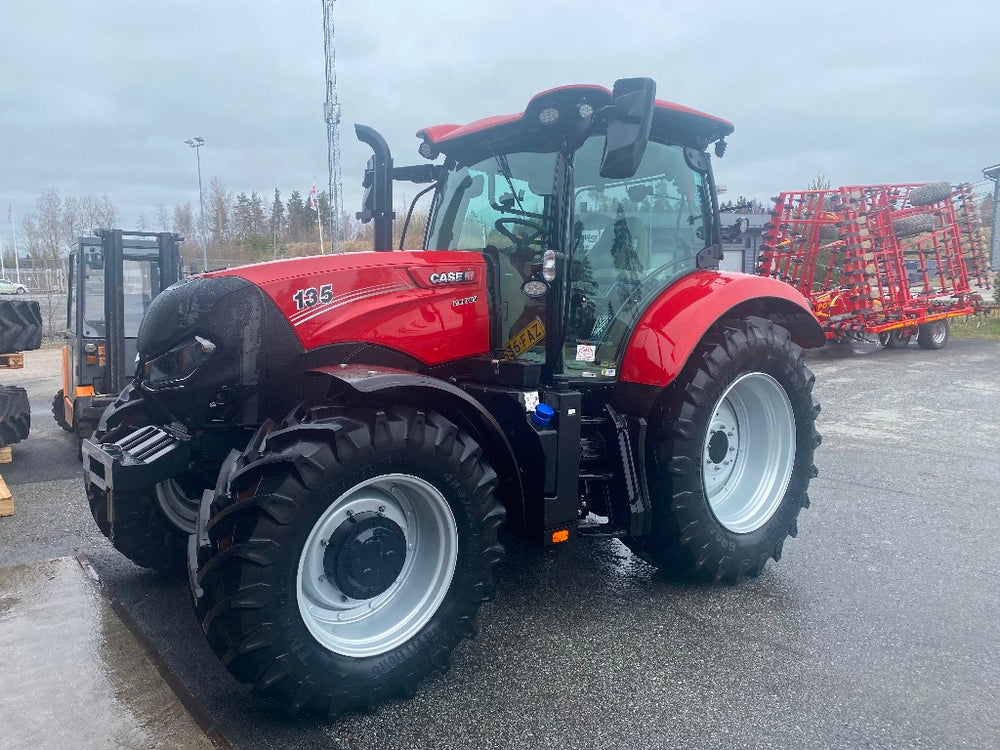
453 277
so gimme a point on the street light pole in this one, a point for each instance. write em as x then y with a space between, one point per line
196 143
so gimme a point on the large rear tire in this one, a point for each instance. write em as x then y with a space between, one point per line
20 325
151 526
350 551
730 454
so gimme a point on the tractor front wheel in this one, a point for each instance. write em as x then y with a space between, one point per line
349 553
731 454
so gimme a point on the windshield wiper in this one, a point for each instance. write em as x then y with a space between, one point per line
504 165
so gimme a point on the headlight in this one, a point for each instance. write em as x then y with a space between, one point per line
175 366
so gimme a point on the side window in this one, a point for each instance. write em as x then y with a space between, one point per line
632 238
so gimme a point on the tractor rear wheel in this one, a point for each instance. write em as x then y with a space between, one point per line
730 454
350 550
151 526
933 335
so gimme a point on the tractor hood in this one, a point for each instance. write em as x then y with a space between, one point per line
430 306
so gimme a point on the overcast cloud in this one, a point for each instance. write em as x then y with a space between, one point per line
97 97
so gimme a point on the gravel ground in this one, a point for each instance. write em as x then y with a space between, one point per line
876 630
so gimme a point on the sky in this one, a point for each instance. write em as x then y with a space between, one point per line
98 97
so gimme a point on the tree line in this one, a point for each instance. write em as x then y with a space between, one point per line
240 228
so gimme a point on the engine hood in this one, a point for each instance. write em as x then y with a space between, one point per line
431 306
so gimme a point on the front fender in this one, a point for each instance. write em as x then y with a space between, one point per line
362 381
672 326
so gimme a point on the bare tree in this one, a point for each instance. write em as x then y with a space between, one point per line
162 218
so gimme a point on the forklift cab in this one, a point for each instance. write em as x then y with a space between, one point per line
113 277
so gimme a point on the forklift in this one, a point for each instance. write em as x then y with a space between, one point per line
113 277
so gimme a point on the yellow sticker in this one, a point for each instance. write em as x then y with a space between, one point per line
524 339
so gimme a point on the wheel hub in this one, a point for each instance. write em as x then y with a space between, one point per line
718 447
365 555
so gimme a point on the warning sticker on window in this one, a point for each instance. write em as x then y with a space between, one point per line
524 339
586 352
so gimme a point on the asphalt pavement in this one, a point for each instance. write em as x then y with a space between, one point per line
877 629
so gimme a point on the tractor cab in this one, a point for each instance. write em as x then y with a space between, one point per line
586 207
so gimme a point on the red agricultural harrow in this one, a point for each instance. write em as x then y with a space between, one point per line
881 260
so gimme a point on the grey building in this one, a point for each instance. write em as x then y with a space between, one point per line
741 239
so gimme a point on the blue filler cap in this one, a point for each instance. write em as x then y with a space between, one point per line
542 415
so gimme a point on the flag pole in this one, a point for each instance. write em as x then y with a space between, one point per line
319 221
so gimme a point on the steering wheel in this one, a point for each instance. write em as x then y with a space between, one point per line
537 232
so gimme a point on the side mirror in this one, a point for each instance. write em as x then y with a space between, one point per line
629 123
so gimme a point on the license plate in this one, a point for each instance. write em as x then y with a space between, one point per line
524 339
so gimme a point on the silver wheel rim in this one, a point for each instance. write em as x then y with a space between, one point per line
938 332
749 452
179 508
368 627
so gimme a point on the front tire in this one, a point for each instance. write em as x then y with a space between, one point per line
730 454
350 552
59 411
151 526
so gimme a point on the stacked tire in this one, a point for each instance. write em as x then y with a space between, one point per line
20 330
20 325
15 416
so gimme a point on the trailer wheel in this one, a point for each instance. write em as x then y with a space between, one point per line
349 555
15 415
897 338
59 412
933 335
151 527
928 195
911 225
731 454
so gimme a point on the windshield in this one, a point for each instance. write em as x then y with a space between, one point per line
493 202
140 278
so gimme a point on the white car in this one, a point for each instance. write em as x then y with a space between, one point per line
12 287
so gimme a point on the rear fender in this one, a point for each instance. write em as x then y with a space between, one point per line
359 383
671 327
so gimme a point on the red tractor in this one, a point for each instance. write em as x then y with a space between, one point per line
338 440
